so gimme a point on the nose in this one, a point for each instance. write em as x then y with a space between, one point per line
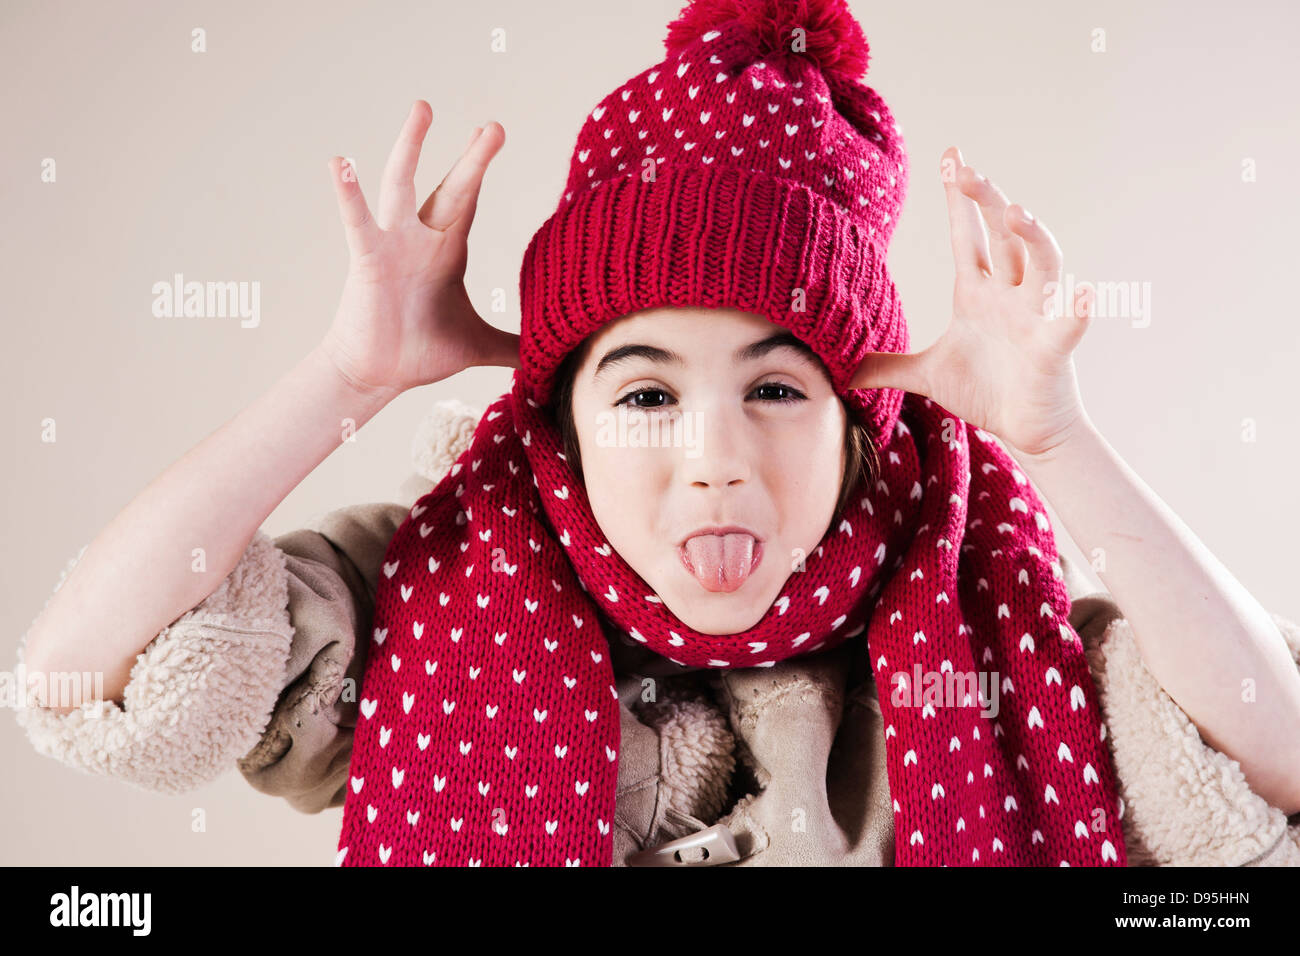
720 458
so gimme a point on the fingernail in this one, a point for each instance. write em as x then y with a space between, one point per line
1029 216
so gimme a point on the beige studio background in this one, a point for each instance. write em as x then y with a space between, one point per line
1167 159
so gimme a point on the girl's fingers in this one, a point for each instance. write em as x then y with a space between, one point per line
970 251
397 193
901 370
1008 249
359 225
1075 323
456 198
1043 273
428 203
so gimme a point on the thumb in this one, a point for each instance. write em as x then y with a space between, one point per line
904 371
499 348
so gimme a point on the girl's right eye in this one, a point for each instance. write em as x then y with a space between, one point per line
644 391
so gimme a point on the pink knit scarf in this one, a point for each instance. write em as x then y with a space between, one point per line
489 727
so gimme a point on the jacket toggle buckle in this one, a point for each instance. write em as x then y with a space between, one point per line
708 847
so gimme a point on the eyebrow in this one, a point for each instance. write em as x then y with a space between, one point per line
746 353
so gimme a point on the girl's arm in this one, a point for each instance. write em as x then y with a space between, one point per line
404 320
1213 648
1005 365
143 571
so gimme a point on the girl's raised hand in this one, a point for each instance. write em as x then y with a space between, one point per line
1005 363
404 318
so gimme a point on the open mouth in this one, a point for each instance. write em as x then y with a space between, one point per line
721 562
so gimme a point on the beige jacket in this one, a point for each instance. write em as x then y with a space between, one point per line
789 758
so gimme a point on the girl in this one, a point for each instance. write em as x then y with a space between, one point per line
719 248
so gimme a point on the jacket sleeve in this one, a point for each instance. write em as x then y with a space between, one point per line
1184 803
304 752
198 694
253 676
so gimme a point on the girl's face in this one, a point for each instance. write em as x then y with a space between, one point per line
691 418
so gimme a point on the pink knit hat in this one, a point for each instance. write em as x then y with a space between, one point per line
749 169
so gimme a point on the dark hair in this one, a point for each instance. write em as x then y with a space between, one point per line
861 459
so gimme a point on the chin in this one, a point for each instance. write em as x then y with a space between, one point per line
719 614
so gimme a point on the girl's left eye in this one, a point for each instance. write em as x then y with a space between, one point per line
793 395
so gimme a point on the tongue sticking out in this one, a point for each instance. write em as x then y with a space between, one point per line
720 562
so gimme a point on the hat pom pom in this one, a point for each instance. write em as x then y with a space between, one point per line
831 36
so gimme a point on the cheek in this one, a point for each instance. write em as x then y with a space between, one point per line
805 485
807 457
622 484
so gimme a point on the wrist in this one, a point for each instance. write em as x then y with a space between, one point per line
1072 440
372 397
